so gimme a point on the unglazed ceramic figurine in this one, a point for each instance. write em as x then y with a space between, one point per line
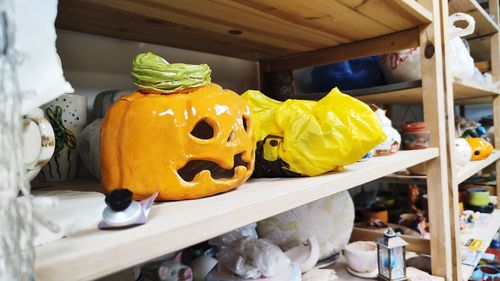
393 141
330 220
88 148
463 152
170 270
68 115
179 134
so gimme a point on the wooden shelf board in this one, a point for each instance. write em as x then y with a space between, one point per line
484 24
256 30
485 234
475 166
176 225
465 92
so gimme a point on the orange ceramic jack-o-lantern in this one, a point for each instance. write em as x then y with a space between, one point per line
187 144
481 149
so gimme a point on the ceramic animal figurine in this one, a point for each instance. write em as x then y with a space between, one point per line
393 141
413 196
171 270
463 152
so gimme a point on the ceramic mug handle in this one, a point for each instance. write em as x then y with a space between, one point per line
46 145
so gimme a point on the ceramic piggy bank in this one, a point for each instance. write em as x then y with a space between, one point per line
171 270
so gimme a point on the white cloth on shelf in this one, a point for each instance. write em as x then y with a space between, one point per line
70 211
40 75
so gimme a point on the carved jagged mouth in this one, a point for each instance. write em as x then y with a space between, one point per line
193 167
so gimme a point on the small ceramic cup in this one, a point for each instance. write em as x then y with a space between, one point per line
39 142
361 256
478 197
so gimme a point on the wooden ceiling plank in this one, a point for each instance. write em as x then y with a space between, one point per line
86 17
145 9
328 16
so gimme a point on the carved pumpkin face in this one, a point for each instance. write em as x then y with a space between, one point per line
481 149
185 145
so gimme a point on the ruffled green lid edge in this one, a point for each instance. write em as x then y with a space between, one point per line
152 72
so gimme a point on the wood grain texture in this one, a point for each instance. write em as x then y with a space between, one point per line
176 225
374 46
434 103
255 30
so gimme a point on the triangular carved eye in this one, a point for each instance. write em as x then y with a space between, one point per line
203 130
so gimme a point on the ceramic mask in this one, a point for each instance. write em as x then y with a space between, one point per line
185 143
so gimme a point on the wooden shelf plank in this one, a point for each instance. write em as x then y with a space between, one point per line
485 234
465 92
475 166
484 24
176 225
256 30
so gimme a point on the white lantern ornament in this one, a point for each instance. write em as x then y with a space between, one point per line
391 251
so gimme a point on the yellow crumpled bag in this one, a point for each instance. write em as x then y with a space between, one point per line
301 137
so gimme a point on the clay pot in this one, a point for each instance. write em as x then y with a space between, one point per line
376 213
361 256
415 135
478 197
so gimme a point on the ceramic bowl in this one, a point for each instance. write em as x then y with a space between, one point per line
478 197
361 256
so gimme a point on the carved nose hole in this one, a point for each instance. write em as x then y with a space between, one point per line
203 130
477 152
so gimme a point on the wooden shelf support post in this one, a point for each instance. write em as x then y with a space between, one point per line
434 115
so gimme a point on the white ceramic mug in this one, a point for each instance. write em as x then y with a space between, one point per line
67 115
39 142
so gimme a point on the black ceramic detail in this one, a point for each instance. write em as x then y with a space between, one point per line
119 199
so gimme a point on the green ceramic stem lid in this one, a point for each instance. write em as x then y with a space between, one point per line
151 72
